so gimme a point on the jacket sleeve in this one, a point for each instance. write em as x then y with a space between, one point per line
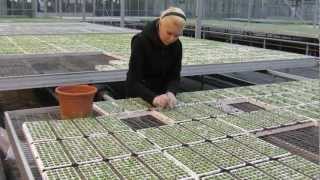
174 74
135 87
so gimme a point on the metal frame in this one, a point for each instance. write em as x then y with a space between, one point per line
51 80
22 160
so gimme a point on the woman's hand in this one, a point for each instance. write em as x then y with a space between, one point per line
161 101
172 99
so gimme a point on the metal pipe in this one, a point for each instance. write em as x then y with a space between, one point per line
122 12
60 8
250 10
56 7
199 9
45 7
83 10
146 7
93 7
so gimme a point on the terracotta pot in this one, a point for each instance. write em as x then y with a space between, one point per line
75 101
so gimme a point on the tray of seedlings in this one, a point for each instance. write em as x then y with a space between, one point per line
161 139
203 130
280 171
226 106
287 117
195 162
246 124
262 146
244 91
270 89
260 119
209 95
109 147
227 93
219 157
241 151
81 151
310 93
65 129
113 124
271 119
175 115
165 167
182 134
68 173
38 131
302 165
199 96
190 97
133 104
193 112
223 127
135 142
131 168
301 97
110 107
250 172
307 110
209 110
276 100
314 107
50 155
219 176
98 170
89 126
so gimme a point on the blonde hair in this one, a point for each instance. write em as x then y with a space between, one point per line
177 19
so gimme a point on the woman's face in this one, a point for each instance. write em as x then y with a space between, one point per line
169 31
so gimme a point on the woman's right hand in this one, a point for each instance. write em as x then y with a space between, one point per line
161 101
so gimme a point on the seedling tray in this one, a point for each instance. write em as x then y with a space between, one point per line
262 146
194 161
109 147
182 134
225 128
113 124
131 168
160 138
209 110
245 124
259 119
203 130
241 151
219 157
133 104
50 155
99 170
110 107
164 167
302 165
192 112
250 172
135 142
175 115
68 173
81 151
288 117
65 129
38 131
280 171
89 126
220 176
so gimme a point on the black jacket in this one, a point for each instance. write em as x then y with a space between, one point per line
154 68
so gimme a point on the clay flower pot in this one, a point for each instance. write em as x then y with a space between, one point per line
75 101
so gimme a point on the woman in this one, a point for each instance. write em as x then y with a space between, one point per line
155 61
